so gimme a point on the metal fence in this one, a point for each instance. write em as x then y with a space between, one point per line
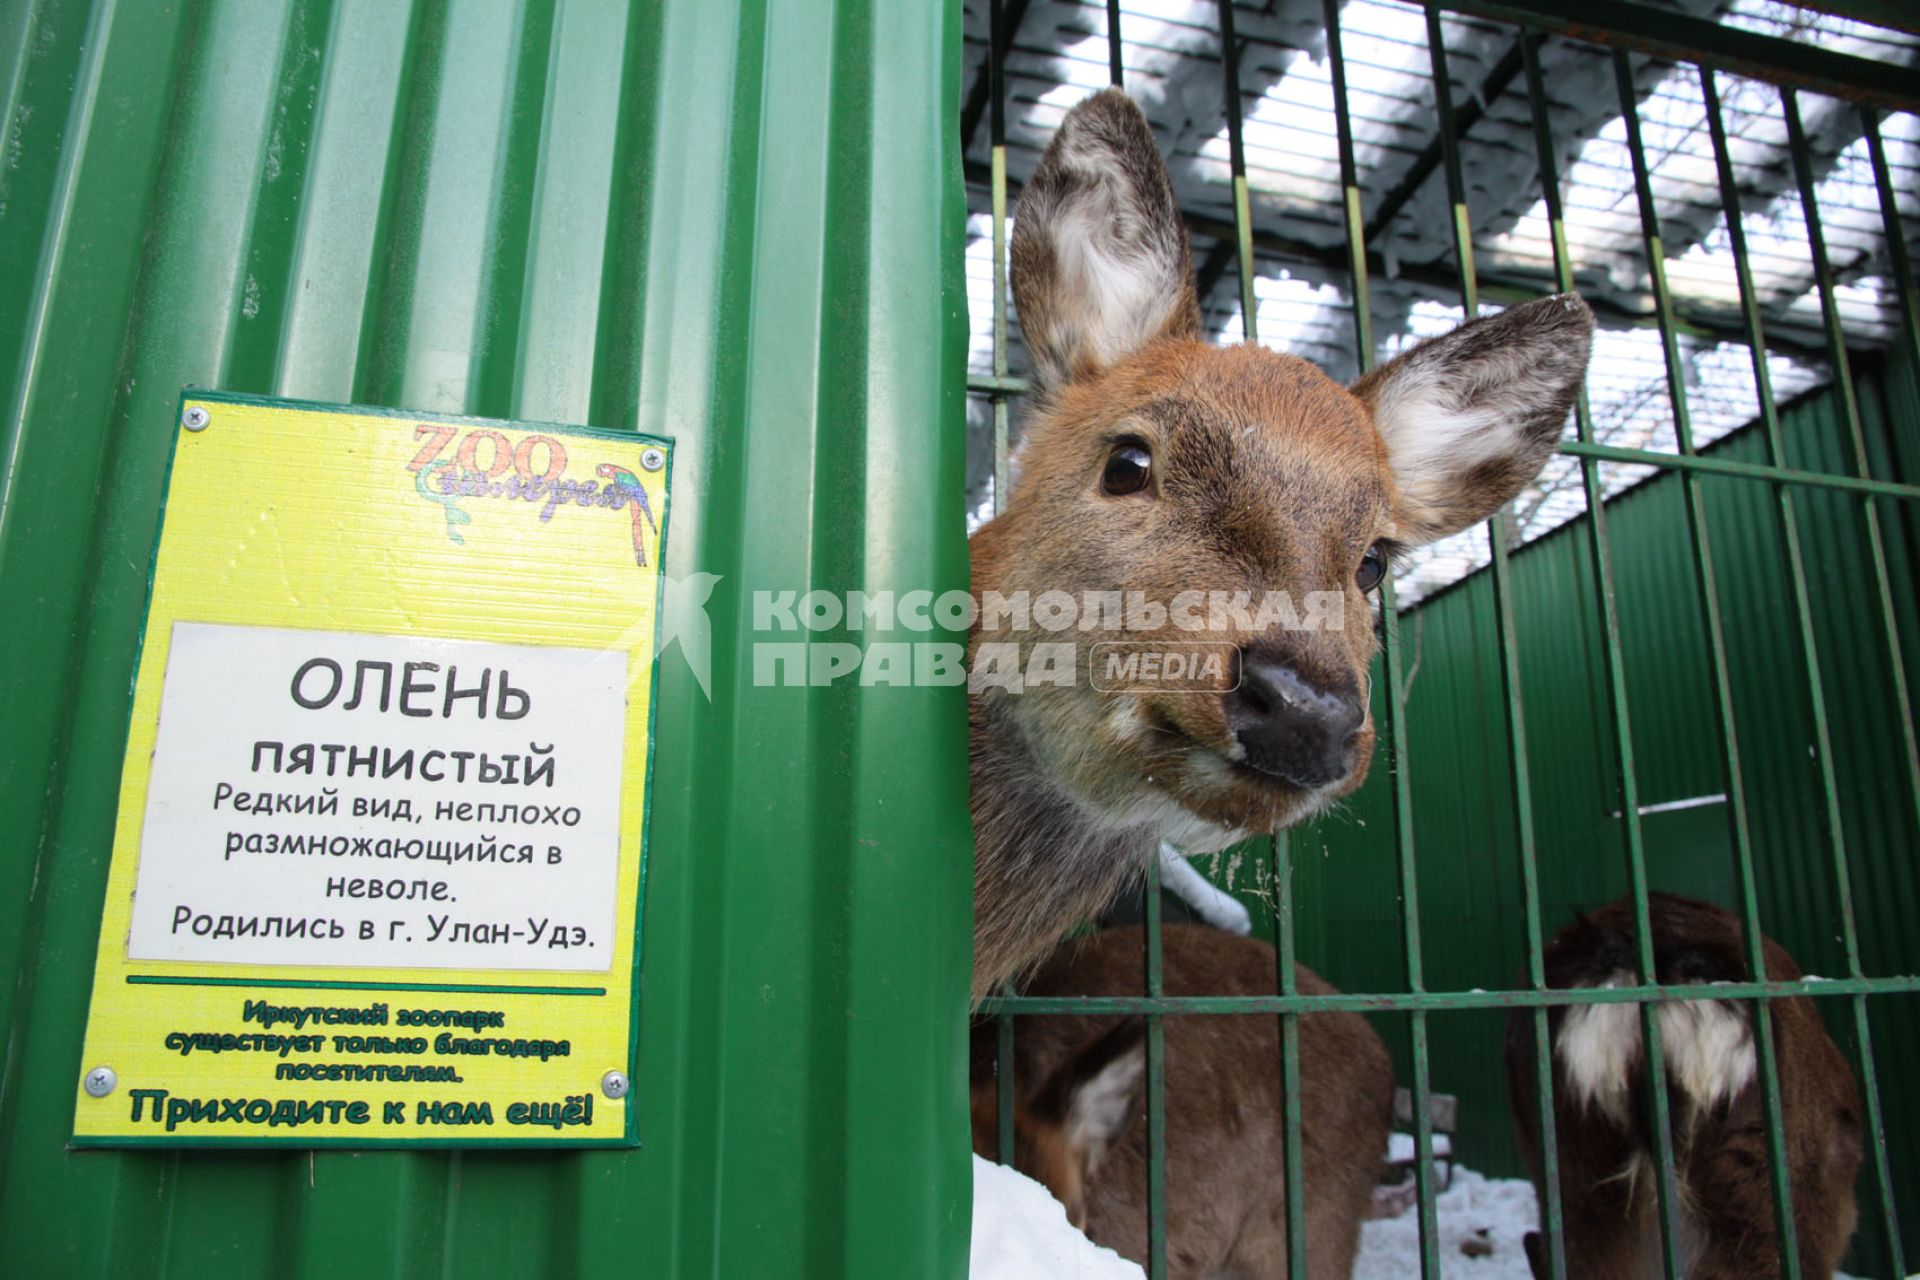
682 217
1723 56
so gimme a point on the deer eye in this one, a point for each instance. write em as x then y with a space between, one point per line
1373 567
1129 468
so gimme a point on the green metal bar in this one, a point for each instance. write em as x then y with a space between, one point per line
997 36
1292 1138
1910 333
1000 412
1678 37
1777 1163
1661 1120
990 384
1350 188
1237 160
1745 470
1890 631
1420 1002
1287 982
167 980
1003 1087
1393 726
1448 140
1156 1083
1553 1212
1450 163
1896 238
1391 719
997 107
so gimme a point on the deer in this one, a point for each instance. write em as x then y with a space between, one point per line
1153 464
1080 1126
1726 1224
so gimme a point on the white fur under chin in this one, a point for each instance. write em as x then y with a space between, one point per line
1708 1047
1598 1045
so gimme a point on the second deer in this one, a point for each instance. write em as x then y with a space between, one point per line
1725 1225
1080 1123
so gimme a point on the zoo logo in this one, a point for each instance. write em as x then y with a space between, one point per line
510 472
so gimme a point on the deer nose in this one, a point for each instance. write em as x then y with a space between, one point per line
1289 728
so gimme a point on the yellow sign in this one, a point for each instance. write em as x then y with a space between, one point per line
376 875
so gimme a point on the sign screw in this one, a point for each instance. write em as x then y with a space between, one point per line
652 459
614 1084
194 419
100 1082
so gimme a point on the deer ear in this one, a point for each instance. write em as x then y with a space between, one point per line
1098 1087
1471 416
1100 261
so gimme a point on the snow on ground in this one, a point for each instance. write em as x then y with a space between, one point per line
1020 1232
1494 1212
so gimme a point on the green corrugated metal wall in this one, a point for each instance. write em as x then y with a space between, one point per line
1464 838
734 222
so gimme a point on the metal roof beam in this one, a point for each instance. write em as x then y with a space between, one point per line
1625 24
1466 114
1494 286
1899 15
975 109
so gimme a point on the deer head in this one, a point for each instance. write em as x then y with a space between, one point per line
1229 505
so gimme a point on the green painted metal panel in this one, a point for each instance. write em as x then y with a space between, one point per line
732 222
1347 908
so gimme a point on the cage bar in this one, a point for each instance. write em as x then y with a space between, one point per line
1769 1069
1156 1081
997 100
1896 671
1701 548
1896 240
1451 1001
1737 52
1552 1209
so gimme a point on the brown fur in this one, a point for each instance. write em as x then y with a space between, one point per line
1720 1153
1226 1208
1267 476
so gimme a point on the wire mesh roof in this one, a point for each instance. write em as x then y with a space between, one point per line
1171 51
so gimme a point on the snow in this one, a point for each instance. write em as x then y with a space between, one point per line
1494 1211
1400 1147
1021 1232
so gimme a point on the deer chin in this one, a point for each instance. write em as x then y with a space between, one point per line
1129 763
1205 771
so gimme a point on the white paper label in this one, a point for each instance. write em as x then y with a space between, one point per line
371 801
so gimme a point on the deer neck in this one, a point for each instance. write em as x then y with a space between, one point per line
1043 859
